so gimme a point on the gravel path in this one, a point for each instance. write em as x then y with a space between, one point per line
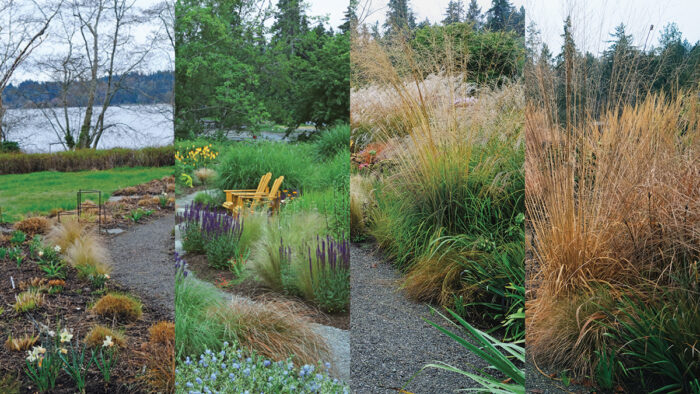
390 342
141 261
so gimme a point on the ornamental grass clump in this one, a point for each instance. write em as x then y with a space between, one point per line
89 255
27 301
449 211
65 233
121 307
98 333
205 317
33 225
615 211
21 343
159 357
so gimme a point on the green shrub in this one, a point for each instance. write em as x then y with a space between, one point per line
332 290
220 249
86 159
332 141
9 146
18 237
242 165
212 198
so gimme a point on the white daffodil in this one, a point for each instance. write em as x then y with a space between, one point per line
65 336
57 249
35 354
40 253
108 342
52 333
106 276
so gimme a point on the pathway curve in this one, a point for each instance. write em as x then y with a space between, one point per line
142 261
390 342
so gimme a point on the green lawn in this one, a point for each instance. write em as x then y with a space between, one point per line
40 192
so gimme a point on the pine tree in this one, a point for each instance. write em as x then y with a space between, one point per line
399 17
424 23
568 54
350 17
474 14
290 23
498 15
454 12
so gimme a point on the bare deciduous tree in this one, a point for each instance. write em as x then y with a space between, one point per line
23 26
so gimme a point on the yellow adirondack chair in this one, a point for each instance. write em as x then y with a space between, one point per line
271 197
232 195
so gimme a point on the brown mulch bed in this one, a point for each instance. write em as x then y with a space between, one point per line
70 308
257 291
154 187
145 196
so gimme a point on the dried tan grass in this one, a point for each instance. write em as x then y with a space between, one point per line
614 205
21 343
33 225
121 307
97 334
65 233
275 330
205 175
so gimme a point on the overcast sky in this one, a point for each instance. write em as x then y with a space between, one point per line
334 9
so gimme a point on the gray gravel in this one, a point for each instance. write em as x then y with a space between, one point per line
537 383
339 343
390 342
141 261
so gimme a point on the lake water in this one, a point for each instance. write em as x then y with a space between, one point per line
134 126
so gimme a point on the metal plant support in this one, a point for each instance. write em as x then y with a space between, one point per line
100 207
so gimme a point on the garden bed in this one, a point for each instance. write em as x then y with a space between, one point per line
68 302
253 289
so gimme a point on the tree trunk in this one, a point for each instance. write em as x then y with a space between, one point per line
2 116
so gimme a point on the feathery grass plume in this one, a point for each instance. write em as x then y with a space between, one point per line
616 204
64 233
89 251
205 175
361 202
